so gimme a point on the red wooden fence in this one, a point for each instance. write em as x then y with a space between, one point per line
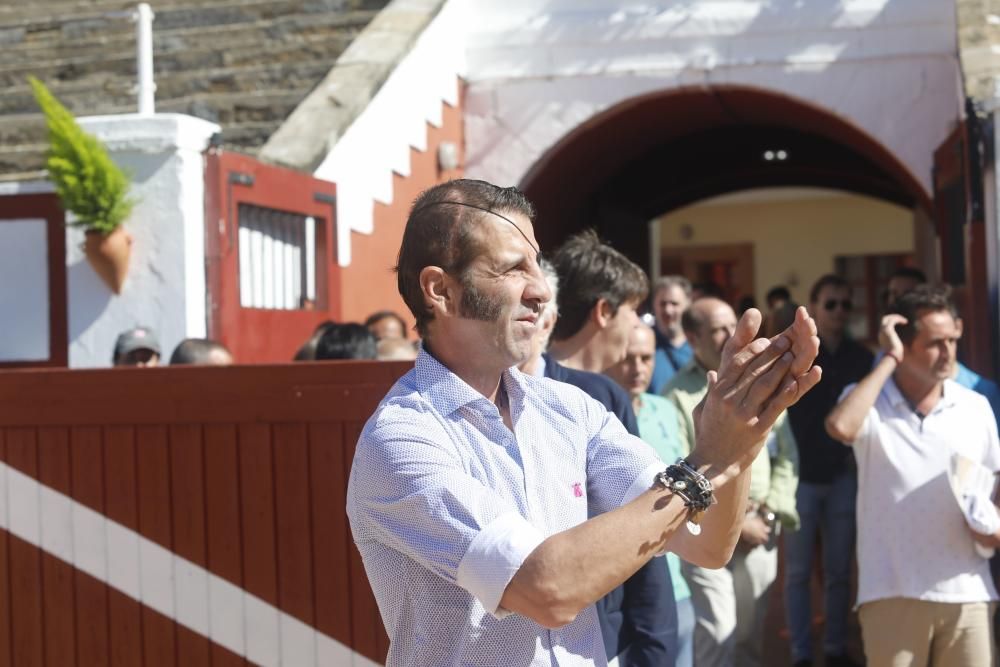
228 482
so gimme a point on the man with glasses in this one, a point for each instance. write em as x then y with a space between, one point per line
828 483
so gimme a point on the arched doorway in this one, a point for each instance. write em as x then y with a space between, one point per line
661 151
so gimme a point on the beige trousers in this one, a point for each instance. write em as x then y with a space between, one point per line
903 632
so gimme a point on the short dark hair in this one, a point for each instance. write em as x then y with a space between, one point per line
346 341
440 231
921 299
308 350
590 270
778 292
829 280
195 352
380 315
911 272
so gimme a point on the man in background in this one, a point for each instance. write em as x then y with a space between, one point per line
200 352
137 347
599 292
730 603
925 594
657 418
827 483
671 297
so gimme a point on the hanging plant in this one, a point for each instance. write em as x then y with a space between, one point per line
91 185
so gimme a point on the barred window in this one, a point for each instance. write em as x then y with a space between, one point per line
277 258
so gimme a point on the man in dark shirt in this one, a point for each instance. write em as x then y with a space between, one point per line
599 291
827 482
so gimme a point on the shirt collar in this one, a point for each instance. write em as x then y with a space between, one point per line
899 402
447 392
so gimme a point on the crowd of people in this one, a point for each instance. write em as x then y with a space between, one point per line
503 495
382 337
466 488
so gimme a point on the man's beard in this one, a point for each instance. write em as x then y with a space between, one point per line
477 305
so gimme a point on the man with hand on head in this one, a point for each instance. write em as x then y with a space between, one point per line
925 595
730 603
472 482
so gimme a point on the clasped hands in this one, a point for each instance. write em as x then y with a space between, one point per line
758 378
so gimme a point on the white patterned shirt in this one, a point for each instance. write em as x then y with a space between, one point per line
445 503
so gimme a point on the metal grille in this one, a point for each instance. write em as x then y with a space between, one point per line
277 258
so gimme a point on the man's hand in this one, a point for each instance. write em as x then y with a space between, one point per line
755 530
888 339
757 379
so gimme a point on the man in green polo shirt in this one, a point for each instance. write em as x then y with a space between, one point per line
657 418
730 603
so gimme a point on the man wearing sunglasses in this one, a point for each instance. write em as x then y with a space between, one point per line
828 483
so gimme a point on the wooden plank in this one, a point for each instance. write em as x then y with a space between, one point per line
331 534
6 618
27 636
57 576
222 508
124 613
260 569
154 515
87 481
367 624
188 496
293 513
331 391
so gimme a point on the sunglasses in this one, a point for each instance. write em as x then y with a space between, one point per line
831 304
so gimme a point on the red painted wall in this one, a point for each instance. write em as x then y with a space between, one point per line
369 284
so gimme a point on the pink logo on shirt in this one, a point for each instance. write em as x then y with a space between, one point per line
577 489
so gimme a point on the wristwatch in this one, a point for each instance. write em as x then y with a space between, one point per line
694 489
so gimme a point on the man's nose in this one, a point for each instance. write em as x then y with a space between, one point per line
538 289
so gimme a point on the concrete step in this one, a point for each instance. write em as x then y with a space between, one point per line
23 158
103 90
323 48
283 29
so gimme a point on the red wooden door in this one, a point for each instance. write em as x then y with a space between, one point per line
958 209
270 247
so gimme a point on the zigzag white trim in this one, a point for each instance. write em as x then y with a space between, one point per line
161 580
378 142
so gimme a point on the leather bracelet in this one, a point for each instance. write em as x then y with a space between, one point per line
691 486
893 355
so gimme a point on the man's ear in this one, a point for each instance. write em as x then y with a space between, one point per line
439 290
602 313
960 326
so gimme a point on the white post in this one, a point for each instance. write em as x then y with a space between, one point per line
144 57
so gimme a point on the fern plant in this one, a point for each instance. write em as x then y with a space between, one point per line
87 180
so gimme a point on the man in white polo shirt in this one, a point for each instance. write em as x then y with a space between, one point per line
924 593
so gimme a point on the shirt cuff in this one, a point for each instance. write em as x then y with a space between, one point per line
493 558
644 482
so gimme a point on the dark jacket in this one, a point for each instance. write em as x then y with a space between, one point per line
640 616
821 458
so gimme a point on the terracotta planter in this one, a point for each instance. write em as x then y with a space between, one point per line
108 254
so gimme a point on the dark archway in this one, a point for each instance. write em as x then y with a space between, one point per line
661 151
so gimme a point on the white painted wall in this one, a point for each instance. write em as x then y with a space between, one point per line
165 288
538 70
377 144
24 290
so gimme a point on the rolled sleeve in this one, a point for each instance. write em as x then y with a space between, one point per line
493 558
620 466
